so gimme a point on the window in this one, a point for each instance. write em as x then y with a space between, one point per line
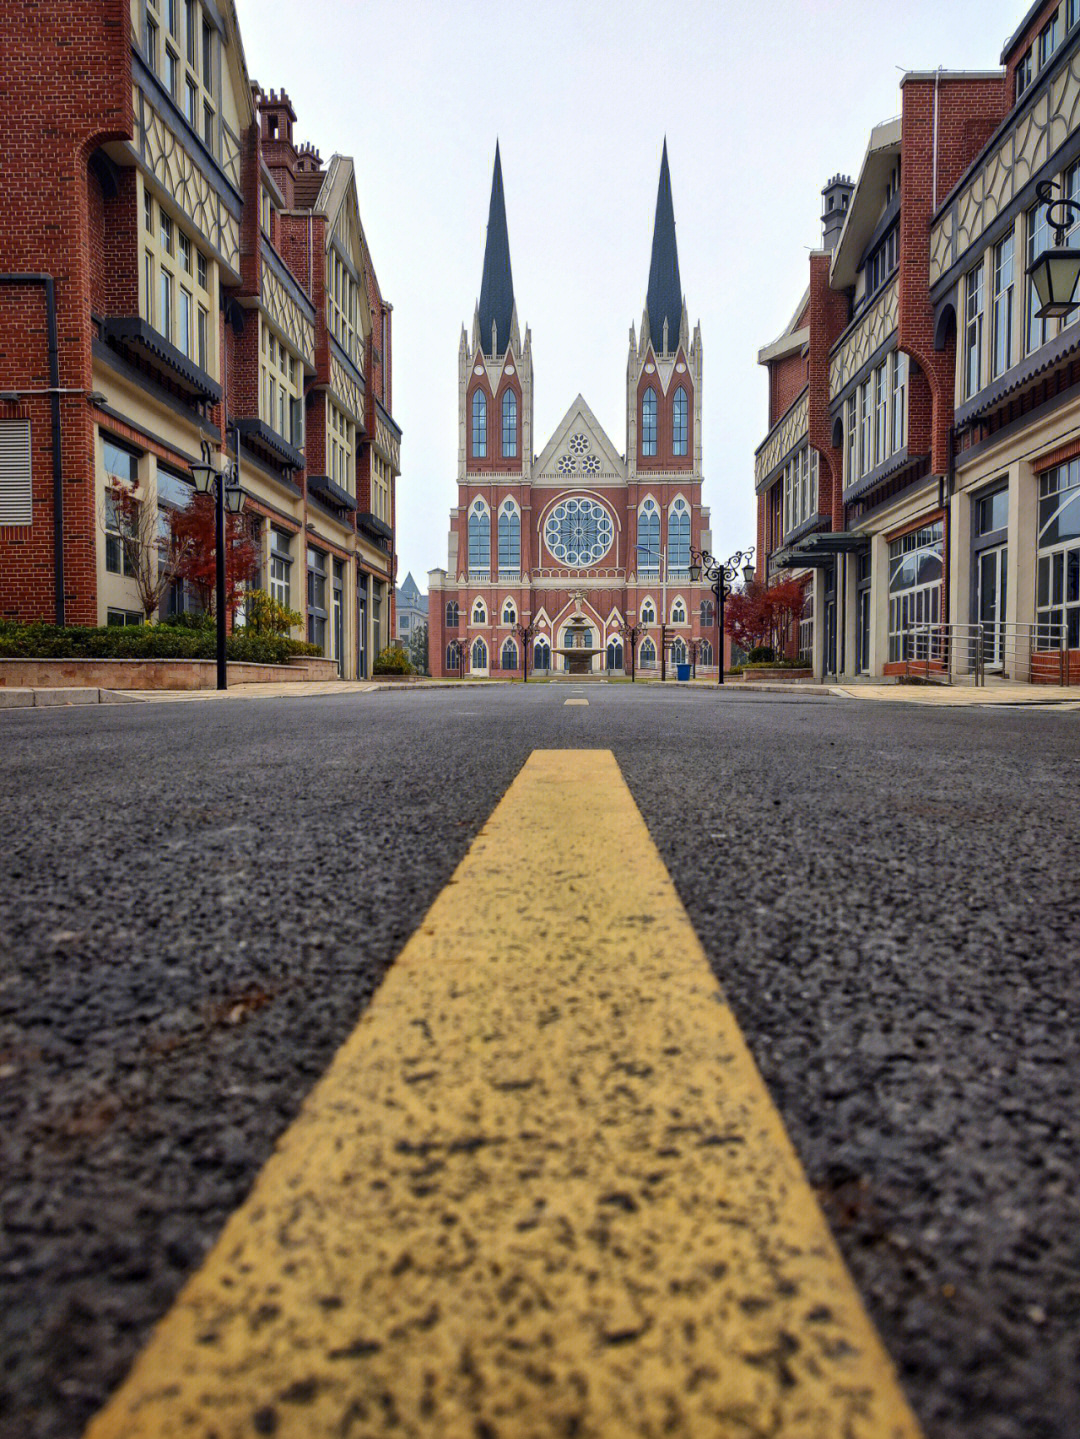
1072 13
866 449
165 303
175 295
678 651
509 424
1024 72
1038 240
207 58
479 654
647 654
280 566
508 659
680 424
316 598
851 439
648 538
973 330
898 363
183 317
800 484
579 532
881 415
542 655
1003 298
171 70
124 617
1049 38
152 52
915 575
452 653
201 331
339 431
341 302
479 612
509 613
678 613
708 614
479 424
679 536
992 512
883 261
806 626
452 615
509 539
705 654
121 468
648 422
479 539
648 612
1057 591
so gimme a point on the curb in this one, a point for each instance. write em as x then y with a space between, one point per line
52 698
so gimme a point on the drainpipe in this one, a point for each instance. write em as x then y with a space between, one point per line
54 400
937 82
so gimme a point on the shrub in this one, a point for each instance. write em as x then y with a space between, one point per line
191 640
392 661
268 616
761 655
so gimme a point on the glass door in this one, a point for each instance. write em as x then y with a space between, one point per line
862 634
991 583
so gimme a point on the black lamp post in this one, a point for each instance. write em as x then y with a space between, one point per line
631 634
525 633
225 484
722 575
1055 272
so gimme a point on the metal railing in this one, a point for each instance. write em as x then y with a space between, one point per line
967 653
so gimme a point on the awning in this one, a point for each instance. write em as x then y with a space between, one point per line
136 336
819 551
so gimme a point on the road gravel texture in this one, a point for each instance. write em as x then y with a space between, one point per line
197 901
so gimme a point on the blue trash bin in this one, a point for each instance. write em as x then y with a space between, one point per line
682 672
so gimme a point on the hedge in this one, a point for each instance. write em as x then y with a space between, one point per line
144 642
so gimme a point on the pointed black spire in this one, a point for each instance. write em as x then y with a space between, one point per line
664 300
497 286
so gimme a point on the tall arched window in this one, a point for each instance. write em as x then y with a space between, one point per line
452 615
648 538
648 612
479 654
541 654
708 613
508 658
647 653
705 654
678 613
678 554
614 655
452 653
680 422
479 612
479 538
479 424
678 652
509 613
509 424
648 422
509 538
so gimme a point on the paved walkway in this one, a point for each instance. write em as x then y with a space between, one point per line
541 1190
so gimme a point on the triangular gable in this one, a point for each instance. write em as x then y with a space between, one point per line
570 609
338 201
237 102
664 369
570 456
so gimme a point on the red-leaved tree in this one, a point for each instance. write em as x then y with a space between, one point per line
194 530
785 602
747 618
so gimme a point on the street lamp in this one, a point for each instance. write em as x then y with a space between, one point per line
224 484
722 575
631 634
525 633
457 649
1055 271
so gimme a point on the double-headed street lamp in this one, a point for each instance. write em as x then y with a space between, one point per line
1055 271
225 485
525 633
722 575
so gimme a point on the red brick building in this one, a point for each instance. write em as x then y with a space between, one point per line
531 531
174 269
917 472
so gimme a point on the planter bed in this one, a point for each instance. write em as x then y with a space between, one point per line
155 674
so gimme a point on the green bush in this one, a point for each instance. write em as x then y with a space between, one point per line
268 616
762 654
145 642
392 661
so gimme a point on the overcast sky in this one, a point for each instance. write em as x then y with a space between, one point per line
761 105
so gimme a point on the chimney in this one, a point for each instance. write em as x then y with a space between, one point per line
836 197
276 121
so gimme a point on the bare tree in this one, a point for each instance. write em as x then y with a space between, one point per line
151 552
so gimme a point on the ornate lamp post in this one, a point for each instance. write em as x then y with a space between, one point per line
1055 272
630 635
525 633
722 575
225 485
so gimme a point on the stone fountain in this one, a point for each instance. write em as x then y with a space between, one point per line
579 655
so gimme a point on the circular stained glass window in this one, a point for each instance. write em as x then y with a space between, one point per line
590 465
565 465
579 532
577 444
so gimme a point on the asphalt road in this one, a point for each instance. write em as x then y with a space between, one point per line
197 900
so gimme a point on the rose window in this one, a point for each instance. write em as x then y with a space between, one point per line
590 465
577 444
565 465
579 532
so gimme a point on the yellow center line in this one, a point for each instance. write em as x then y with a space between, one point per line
576 702
541 1190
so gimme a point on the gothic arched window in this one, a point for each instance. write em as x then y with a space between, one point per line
541 654
679 536
479 424
708 613
705 655
509 424
452 615
479 654
680 422
647 653
678 613
479 537
678 652
509 613
452 657
508 658
648 612
479 613
648 538
509 538
648 422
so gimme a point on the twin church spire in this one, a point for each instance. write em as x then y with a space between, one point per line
664 300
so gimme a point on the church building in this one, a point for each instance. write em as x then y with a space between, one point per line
536 534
